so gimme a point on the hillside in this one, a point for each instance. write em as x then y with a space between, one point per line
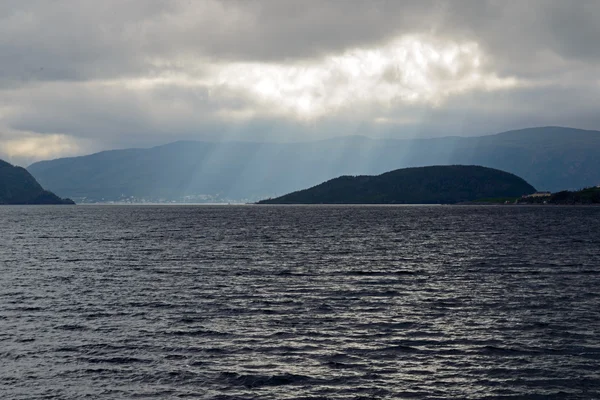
424 185
585 196
17 186
550 158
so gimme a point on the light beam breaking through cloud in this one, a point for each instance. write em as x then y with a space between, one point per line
79 76
410 69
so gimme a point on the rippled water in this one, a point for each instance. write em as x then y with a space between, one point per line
299 302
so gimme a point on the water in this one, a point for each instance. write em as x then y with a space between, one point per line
299 302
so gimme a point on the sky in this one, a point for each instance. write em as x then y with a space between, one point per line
85 75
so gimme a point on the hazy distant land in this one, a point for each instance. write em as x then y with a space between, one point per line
549 158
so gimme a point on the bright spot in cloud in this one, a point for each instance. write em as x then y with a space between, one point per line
36 146
408 70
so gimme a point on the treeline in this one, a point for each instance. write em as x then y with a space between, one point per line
589 195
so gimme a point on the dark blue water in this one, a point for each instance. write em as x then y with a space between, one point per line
299 302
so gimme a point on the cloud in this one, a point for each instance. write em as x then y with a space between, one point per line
26 147
410 69
66 39
77 76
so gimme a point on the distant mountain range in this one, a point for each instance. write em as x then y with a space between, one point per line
17 186
550 158
448 184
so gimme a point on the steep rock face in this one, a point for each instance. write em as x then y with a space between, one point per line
424 185
17 186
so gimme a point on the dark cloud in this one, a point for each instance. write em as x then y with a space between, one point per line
78 40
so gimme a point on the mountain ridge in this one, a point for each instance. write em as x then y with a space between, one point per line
361 137
551 158
333 139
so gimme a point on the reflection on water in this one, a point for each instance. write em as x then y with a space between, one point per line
299 302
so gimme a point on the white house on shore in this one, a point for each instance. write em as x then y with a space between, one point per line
537 194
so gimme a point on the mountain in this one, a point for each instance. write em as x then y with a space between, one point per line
423 185
17 186
550 158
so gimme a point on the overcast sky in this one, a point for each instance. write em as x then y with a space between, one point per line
80 76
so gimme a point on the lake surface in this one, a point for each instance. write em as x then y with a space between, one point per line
317 302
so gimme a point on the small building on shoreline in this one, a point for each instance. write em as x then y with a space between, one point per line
537 194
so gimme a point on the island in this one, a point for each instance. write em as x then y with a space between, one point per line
449 184
17 186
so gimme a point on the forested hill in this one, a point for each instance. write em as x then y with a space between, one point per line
423 185
17 186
